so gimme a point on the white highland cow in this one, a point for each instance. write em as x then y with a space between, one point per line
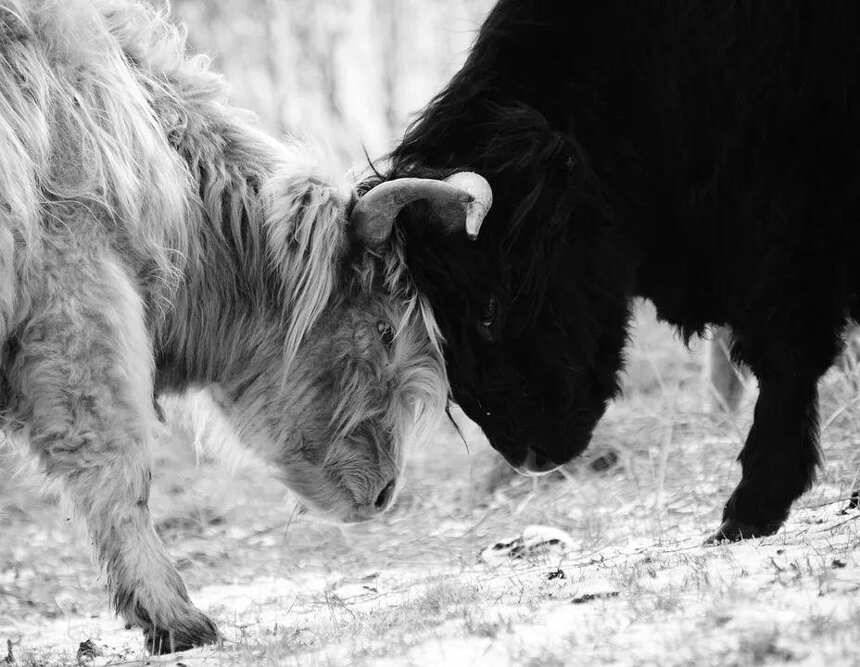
151 240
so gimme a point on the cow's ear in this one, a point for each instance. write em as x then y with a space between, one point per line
305 222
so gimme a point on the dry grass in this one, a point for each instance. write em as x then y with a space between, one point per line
637 588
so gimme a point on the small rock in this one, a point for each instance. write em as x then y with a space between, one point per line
88 650
604 462
352 590
588 597
535 542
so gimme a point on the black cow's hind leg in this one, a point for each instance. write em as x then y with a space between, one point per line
778 459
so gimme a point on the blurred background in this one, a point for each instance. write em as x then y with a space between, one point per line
346 74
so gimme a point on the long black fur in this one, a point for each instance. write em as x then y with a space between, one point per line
703 155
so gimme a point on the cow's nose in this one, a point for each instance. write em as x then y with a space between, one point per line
384 498
536 463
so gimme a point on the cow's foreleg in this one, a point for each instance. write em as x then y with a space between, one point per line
82 378
145 587
778 459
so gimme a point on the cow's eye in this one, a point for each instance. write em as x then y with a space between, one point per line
489 313
386 332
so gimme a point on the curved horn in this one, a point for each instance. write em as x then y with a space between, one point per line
460 201
482 199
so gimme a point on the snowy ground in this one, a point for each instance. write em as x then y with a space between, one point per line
635 585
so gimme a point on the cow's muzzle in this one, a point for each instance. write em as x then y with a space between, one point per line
536 464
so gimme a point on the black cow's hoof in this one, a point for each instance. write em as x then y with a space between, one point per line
733 530
195 632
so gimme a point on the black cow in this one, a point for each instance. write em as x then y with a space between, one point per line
705 155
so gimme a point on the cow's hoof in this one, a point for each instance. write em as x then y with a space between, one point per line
190 633
733 530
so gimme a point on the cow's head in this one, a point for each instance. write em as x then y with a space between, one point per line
352 371
368 381
532 347
534 311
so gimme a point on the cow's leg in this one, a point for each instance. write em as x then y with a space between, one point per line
778 459
83 382
788 350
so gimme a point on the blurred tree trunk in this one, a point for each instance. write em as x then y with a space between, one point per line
725 388
388 13
272 15
318 29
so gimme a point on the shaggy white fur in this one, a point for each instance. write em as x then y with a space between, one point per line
152 239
